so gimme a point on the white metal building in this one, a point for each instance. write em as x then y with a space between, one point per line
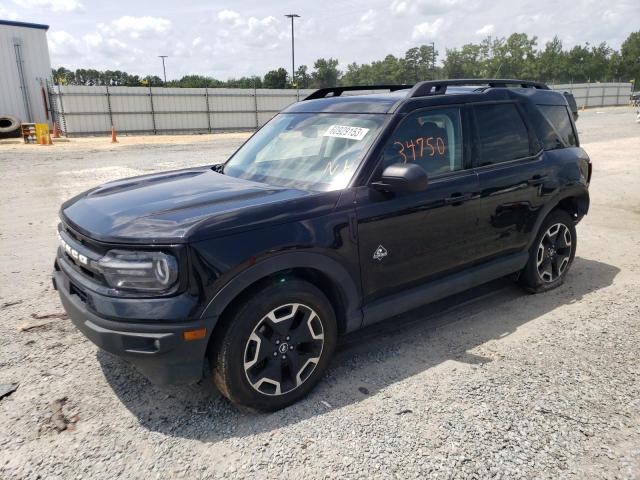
24 68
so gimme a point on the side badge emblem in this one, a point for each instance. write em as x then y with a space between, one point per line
380 253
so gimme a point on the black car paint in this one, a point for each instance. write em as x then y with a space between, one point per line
231 233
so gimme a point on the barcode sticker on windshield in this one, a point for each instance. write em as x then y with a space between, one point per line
345 131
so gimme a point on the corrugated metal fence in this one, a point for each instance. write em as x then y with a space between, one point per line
598 94
92 110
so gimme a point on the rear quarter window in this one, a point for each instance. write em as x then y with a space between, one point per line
560 122
502 133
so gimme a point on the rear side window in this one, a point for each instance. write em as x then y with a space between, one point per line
502 133
558 117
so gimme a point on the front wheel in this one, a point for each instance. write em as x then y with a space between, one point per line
275 346
552 253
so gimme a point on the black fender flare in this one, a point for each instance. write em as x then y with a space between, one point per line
577 191
347 286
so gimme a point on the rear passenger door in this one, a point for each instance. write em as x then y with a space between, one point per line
511 171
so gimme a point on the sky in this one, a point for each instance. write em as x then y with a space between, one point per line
225 39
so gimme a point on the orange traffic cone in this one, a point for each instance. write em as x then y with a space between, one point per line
113 135
56 131
43 140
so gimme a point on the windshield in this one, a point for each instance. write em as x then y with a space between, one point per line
314 151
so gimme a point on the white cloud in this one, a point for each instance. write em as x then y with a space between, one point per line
427 30
239 32
425 7
365 25
399 7
138 25
7 14
92 40
488 29
63 44
67 6
226 15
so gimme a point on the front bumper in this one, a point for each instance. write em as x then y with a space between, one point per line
158 350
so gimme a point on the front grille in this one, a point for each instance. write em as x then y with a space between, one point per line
83 240
81 254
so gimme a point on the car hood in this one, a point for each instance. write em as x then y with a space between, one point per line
186 204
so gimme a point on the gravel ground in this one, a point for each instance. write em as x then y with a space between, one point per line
493 383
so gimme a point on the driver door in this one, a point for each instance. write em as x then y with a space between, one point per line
408 238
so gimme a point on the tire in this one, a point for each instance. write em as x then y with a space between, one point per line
551 254
9 126
274 346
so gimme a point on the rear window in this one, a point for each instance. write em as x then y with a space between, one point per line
502 133
558 117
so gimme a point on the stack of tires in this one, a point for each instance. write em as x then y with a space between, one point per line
9 127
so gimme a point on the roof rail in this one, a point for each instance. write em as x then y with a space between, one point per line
337 91
439 87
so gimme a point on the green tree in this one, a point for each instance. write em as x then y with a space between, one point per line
512 57
615 68
303 79
326 73
195 81
467 62
419 64
391 70
551 63
630 54
276 78
62 76
577 59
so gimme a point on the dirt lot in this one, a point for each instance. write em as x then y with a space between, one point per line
493 383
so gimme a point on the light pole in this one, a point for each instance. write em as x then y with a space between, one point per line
164 71
293 56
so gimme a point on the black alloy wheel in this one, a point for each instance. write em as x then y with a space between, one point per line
554 252
283 349
551 253
274 345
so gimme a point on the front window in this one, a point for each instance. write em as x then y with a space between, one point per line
314 151
429 138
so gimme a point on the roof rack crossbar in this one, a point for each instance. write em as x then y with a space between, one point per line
337 91
439 87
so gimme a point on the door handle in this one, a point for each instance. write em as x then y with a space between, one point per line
536 180
457 198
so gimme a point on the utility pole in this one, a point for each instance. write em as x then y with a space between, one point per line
293 55
433 60
163 69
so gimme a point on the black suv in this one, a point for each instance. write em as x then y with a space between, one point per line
341 211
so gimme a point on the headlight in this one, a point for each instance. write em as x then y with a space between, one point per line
139 271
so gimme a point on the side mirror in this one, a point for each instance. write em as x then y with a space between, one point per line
402 177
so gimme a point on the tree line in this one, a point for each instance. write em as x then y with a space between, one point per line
516 56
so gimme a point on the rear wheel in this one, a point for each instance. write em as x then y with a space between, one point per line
552 253
275 346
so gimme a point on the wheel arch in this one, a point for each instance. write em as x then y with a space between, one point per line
575 205
575 202
322 271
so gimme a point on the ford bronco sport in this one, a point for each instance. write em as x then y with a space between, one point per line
342 211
